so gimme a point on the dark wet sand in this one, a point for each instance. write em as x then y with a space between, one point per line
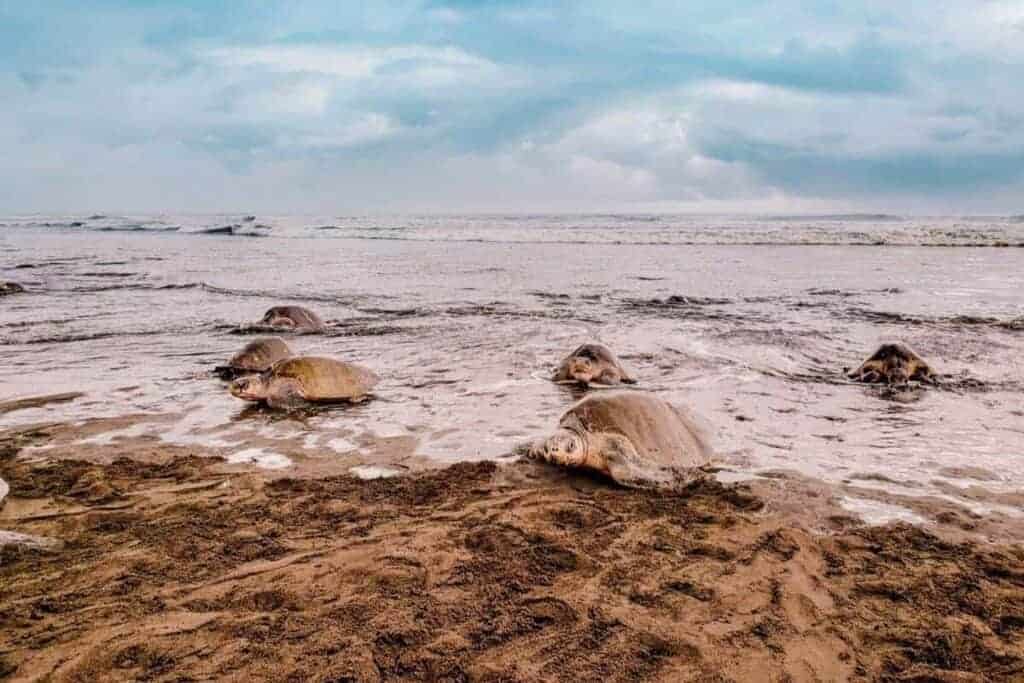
177 567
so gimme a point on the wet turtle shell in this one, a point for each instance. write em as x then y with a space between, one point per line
320 379
592 364
893 363
257 356
297 318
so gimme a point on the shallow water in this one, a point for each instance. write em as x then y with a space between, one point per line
749 321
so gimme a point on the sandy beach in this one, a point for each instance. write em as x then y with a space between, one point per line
172 566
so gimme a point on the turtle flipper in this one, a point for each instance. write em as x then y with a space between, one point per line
609 378
616 456
286 395
225 372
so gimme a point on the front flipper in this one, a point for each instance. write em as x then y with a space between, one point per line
286 395
226 372
610 378
615 455
866 376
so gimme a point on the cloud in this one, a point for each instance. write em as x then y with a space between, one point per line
415 65
445 105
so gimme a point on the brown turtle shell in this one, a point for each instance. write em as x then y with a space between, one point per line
325 379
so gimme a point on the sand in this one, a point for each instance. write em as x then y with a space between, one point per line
173 566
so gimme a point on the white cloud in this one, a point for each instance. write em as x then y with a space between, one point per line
632 151
741 91
364 129
415 65
298 99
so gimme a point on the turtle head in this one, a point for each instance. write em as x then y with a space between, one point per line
275 318
896 369
584 366
564 447
249 388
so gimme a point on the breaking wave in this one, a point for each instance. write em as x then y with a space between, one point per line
860 230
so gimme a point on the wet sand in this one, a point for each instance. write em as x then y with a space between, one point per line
172 565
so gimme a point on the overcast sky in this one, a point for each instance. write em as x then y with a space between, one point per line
314 107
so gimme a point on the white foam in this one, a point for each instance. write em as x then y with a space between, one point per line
873 512
107 438
4 490
341 445
260 458
981 508
386 430
193 429
732 477
374 471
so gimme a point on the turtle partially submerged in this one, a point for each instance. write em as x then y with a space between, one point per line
10 288
256 357
635 438
894 364
592 364
294 318
300 380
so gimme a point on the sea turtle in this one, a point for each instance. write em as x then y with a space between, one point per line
633 437
893 363
592 364
10 288
257 356
294 318
306 379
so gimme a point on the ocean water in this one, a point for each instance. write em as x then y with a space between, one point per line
749 321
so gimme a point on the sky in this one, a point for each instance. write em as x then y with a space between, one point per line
810 106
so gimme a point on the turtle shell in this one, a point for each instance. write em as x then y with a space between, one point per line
878 364
600 355
303 318
325 379
260 355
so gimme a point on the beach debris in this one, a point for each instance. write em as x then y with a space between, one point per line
635 438
894 364
592 364
306 379
255 357
293 318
